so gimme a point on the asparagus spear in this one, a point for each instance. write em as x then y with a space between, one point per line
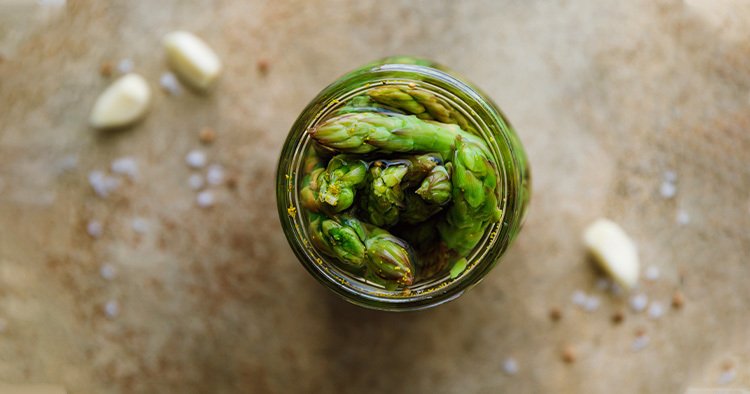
370 132
416 210
363 103
338 184
419 167
309 194
474 198
389 257
436 187
383 197
342 238
358 245
395 97
418 102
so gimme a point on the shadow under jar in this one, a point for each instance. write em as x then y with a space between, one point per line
401 185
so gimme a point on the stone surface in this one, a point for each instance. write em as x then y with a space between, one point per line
606 96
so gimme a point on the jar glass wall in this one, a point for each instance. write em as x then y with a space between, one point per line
470 109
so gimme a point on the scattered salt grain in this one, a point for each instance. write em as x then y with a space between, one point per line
639 302
683 217
579 298
108 271
656 310
94 228
510 366
196 159
139 225
640 342
215 174
670 176
196 181
205 199
616 289
112 309
652 273
170 84
102 183
667 189
125 66
591 304
727 376
125 166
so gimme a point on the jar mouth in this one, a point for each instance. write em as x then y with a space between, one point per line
425 293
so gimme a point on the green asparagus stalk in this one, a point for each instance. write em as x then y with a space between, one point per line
474 192
416 210
358 245
370 132
338 184
423 104
383 197
395 97
389 257
419 167
342 238
436 187
363 103
309 194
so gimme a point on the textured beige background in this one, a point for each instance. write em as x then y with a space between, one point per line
606 95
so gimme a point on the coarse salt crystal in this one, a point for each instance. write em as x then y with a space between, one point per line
107 271
655 310
205 199
139 225
640 342
125 66
591 304
125 166
639 302
215 174
102 183
602 284
668 190
196 159
652 273
670 176
170 84
727 376
510 366
683 217
94 228
579 298
112 308
196 181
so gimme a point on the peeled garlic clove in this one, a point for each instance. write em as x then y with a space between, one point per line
192 59
613 250
123 103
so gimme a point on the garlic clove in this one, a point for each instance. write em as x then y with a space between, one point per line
192 59
613 250
123 103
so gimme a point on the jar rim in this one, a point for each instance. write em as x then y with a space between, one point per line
437 80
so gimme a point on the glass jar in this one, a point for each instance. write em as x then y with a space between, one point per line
481 116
